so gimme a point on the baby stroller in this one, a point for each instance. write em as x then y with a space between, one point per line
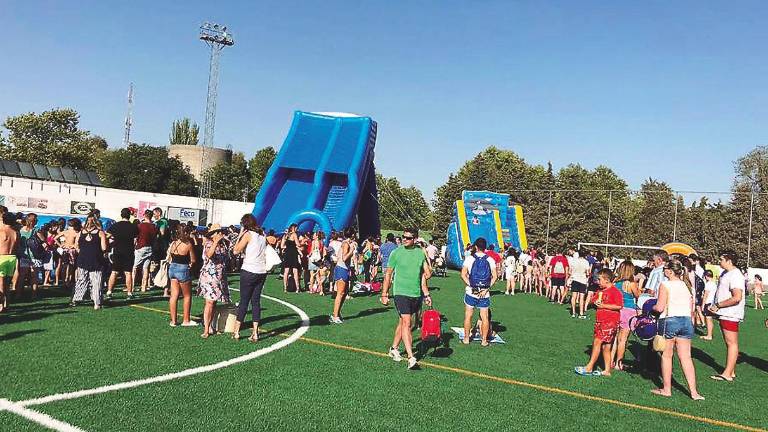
440 267
645 325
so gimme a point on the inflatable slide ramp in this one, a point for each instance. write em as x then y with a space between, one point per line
323 177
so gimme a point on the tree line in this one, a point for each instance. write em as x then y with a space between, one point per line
561 208
576 204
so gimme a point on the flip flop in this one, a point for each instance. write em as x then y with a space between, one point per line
720 378
581 370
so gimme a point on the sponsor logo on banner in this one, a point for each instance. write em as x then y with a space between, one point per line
184 215
81 207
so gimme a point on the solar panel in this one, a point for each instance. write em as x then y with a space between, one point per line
55 173
27 170
41 172
82 177
11 168
95 180
69 175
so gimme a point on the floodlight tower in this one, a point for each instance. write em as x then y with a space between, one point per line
217 37
128 118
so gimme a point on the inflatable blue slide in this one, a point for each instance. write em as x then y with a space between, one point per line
484 214
323 176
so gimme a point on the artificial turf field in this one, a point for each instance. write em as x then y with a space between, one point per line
336 377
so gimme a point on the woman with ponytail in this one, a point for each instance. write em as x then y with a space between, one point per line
676 305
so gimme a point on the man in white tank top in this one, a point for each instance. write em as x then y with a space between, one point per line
728 305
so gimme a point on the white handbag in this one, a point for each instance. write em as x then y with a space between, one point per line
273 259
161 278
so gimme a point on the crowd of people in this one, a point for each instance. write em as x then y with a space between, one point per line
149 250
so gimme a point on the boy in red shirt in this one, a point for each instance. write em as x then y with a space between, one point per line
608 302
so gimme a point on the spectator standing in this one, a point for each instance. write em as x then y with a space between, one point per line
676 305
147 232
213 285
291 258
8 240
386 250
710 286
757 289
728 305
579 280
123 235
559 273
181 258
655 279
510 270
27 272
253 273
342 273
608 303
90 245
625 283
407 274
479 275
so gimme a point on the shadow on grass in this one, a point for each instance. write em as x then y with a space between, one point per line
755 362
12 318
705 358
18 334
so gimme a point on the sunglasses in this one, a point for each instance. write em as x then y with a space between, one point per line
408 237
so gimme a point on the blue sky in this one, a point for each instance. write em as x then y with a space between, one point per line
671 90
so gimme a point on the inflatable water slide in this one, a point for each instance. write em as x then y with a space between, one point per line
322 177
488 215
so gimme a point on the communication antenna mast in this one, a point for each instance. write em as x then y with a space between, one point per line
217 37
128 118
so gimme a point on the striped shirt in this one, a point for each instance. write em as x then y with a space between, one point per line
655 279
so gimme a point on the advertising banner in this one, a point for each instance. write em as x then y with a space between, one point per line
81 207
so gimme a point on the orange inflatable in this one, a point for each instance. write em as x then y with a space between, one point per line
678 248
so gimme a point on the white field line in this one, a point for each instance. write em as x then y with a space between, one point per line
37 417
185 373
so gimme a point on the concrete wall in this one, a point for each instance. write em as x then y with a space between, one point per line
192 157
37 196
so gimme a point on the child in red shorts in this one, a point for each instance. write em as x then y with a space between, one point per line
608 302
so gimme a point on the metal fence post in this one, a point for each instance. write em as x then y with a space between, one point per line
749 236
549 214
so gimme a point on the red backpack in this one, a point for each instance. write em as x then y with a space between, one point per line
430 325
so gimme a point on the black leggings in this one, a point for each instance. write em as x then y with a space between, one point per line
251 285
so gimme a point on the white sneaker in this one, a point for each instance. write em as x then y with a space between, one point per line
190 324
335 320
412 363
394 353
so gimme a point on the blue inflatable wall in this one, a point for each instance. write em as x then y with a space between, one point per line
323 176
488 215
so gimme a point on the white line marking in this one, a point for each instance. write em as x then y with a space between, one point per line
37 417
185 373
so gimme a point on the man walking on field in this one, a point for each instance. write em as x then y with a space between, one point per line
407 272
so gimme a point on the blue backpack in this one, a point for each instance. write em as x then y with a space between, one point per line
480 273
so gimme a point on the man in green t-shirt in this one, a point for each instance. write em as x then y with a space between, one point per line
407 272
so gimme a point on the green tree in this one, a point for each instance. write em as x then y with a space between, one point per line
258 166
229 181
53 138
184 132
142 167
400 207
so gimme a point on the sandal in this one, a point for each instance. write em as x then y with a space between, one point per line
235 335
254 338
720 378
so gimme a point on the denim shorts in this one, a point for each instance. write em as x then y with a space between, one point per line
180 272
676 327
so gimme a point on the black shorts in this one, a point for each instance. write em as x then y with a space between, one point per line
122 262
558 281
578 287
407 305
592 287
